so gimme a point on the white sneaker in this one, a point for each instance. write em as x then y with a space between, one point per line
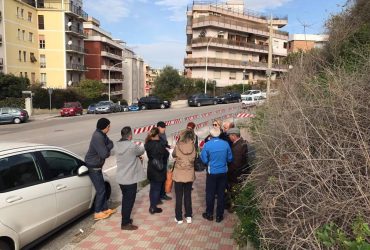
188 220
179 221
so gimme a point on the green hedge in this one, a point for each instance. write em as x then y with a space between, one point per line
12 102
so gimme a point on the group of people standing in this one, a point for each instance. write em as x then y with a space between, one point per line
224 153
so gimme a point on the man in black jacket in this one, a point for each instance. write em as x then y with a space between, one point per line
99 150
163 139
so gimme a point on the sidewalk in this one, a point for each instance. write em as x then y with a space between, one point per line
160 231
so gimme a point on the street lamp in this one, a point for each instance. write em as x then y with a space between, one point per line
209 42
111 67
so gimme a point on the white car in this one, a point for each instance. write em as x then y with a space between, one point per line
253 92
250 101
42 188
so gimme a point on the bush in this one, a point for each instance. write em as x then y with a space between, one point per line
12 102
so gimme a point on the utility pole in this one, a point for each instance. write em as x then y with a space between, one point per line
269 61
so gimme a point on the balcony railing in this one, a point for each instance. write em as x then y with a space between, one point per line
108 67
108 54
76 49
227 22
76 66
75 29
115 80
230 63
223 42
78 11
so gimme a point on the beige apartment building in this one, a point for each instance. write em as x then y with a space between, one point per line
229 45
44 41
18 40
306 42
150 75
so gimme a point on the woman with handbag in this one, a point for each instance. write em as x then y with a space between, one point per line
156 172
184 175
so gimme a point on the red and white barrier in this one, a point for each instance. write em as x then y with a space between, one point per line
143 129
173 122
245 115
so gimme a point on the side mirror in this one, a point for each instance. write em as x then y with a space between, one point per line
83 170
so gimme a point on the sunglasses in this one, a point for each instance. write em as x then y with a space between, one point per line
215 125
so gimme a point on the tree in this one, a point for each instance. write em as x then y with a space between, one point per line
91 88
168 83
12 86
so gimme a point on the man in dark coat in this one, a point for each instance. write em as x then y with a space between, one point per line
239 165
99 149
163 139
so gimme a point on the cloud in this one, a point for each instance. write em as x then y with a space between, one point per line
110 11
177 7
259 5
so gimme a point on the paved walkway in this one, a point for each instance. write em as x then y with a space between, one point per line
160 231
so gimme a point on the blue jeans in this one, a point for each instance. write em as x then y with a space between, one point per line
128 200
154 193
97 179
215 184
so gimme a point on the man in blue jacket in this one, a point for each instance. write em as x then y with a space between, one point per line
216 154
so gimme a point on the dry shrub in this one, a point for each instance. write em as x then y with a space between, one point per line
313 161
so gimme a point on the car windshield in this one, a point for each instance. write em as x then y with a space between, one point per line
70 105
134 104
103 103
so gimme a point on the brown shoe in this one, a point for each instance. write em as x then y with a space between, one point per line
129 227
110 211
101 216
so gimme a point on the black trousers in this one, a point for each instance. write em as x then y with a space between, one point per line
128 200
215 184
183 191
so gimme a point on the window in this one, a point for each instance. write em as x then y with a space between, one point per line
32 57
217 74
33 77
23 34
20 55
21 74
285 45
19 34
24 56
17 11
42 41
41 22
60 165
42 61
30 37
18 171
29 16
22 11
25 74
43 78
232 76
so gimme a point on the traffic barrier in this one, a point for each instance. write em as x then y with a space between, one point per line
245 115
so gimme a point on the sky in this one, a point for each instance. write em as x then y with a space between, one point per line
155 29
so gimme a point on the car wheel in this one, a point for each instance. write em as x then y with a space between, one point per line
214 102
198 104
143 107
6 245
16 121
163 106
108 190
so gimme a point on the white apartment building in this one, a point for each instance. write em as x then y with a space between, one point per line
229 45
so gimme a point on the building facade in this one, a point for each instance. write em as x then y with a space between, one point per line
104 59
19 54
150 76
306 42
230 45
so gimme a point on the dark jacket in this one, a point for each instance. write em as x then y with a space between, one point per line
156 150
239 165
99 150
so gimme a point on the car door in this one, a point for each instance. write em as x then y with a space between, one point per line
156 103
6 116
27 203
73 192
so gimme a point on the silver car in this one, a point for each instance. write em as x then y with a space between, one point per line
41 189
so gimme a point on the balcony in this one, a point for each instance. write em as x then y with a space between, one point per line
76 67
77 10
75 30
232 24
233 64
108 67
116 80
111 55
230 44
76 49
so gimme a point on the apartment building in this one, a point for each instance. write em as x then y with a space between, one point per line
150 75
229 45
306 42
18 40
134 76
104 59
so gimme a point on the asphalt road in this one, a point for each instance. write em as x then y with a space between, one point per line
74 133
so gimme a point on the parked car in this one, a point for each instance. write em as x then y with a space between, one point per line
134 107
254 92
153 102
229 98
107 107
201 99
13 115
42 188
71 108
250 101
124 108
91 108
